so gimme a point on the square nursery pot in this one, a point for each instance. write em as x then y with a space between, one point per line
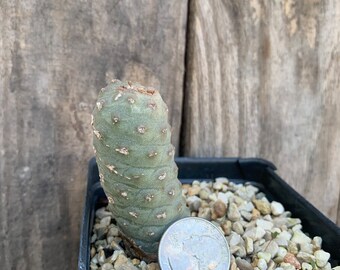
259 172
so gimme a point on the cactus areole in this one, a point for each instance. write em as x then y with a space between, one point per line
136 164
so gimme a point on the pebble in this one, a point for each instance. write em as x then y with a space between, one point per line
105 221
222 180
276 208
291 222
243 264
262 264
234 239
291 259
194 203
204 194
292 247
226 227
287 266
238 228
204 213
255 214
306 247
153 266
113 231
306 266
101 213
263 206
249 245
316 242
233 213
246 206
220 208
305 257
241 252
107 266
212 197
264 255
194 190
246 215
272 248
101 257
101 232
321 258
123 263
281 252
264 224
93 266
255 233
217 185
300 238
233 266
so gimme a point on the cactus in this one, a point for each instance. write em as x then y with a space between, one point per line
136 164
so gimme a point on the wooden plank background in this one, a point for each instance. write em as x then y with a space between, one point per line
241 78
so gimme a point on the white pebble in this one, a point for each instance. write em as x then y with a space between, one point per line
299 238
255 233
213 197
217 186
101 213
264 255
277 208
317 242
194 203
266 225
234 239
107 266
327 267
224 197
306 247
281 252
306 257
105 221
287 266
272 248
249 243
262 264
321 258
306 266
222 180
297 227
233 213
246 206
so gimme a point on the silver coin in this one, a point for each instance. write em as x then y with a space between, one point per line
193 244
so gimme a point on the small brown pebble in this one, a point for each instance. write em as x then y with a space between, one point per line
291 259
220 208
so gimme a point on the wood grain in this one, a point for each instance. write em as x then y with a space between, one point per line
263 80
55 57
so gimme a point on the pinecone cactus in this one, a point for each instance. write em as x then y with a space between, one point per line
136 164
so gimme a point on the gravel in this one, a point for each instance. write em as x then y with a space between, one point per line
261 234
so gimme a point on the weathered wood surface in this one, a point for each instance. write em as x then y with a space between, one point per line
263 80
55 56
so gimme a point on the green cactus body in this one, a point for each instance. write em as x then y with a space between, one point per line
136 163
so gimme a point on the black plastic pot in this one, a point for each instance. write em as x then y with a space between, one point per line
258 171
